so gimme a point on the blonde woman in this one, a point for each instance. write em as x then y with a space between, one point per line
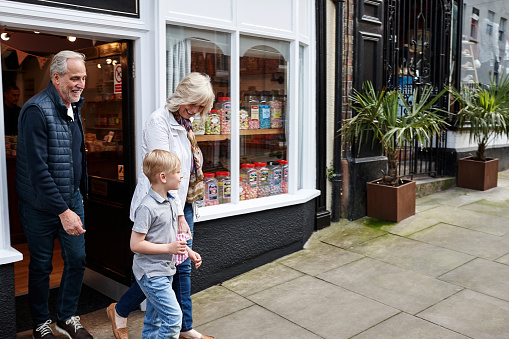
169 128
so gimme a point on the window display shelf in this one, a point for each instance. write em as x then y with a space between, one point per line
221 137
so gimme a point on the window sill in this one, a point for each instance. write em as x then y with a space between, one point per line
256 205
10 255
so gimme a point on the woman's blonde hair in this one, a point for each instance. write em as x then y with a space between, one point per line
195 88
158 161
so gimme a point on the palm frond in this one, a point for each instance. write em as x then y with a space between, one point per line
379 117
484 110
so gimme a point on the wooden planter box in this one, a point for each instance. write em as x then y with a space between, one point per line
477 175
391 203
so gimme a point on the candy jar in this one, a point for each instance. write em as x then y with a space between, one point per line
253 107
264 112
211 189
242 196
248 175
198 125
243 116
225 186
212 125
276 107
262 172
275 176
284 181
224 115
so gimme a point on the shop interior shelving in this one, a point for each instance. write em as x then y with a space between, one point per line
221 137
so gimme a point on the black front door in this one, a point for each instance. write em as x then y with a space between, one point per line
109 135
369 43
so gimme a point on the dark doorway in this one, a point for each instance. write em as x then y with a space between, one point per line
108 126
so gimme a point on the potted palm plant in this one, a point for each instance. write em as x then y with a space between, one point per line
484 111
387 118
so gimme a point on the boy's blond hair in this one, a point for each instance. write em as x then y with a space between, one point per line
158 161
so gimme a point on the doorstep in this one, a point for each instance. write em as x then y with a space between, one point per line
427 185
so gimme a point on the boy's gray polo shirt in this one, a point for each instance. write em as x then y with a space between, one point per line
157 218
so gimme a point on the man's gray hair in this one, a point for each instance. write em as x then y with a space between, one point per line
59 62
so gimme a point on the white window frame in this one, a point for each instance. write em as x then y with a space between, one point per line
295 195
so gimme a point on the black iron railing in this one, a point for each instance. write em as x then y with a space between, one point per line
417 53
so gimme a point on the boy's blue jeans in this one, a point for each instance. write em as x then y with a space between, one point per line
181 285
41 228
163 318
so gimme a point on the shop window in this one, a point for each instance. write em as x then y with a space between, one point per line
193 50
260 116
263 115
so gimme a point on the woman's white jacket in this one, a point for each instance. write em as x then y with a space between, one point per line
162 131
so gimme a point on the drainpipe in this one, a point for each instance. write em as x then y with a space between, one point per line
337 177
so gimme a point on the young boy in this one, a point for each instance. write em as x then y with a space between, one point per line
153 240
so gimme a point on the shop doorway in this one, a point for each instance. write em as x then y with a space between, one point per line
109 136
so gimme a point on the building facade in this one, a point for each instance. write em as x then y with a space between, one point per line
406 45
261 58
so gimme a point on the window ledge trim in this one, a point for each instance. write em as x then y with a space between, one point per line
256 205
9 256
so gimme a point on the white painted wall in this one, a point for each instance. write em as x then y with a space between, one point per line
461 140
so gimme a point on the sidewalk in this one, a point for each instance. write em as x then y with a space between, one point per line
443 273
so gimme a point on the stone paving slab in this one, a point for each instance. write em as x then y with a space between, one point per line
453 197
483 276
498 208
468 219
409 225
503 260
473 314
422 208
319 258
352 234
464 240
414 255
216 302
405 326
261 278
394 286
323 308
503 182
254 322
494 194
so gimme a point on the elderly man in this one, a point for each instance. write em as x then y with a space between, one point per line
51 176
